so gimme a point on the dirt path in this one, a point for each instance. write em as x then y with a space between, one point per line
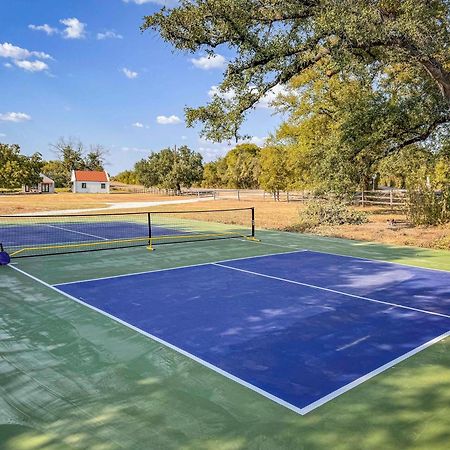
116 206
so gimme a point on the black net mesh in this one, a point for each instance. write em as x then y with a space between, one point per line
46 235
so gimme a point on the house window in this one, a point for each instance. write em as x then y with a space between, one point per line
83 185
103 186
45 187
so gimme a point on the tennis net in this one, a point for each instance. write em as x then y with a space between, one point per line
40 235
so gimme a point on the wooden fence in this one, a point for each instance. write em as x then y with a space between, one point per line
391 198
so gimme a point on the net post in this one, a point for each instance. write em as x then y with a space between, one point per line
253 221
149 222
252 237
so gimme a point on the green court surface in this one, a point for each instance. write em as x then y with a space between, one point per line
73 378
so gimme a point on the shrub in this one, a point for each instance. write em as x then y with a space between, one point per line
426 206
329 213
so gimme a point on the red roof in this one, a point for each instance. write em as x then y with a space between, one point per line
91 175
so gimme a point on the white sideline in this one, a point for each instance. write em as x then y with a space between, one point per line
368 376
77 232
381 261
167 344
177 268
359 297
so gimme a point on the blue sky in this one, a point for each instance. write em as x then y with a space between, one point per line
83 69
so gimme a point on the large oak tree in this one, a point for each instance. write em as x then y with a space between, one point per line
275 41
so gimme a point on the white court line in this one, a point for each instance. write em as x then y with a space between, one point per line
301 411
286 280
77 232
368 376
277 245
176 268
167 344
380 261
339 241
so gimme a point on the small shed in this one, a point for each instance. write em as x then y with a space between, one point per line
90 182
46 186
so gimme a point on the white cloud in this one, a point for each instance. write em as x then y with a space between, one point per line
2 135
209 62
259 141
8 65
129 73
8 50
45 28
184 138
109 35
14 117
31 66
264 103
138 125
229 95
168 120
212 150
271 96
74 28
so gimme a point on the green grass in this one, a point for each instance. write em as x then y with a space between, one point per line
72 378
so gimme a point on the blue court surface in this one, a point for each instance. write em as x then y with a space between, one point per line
299 328
56 233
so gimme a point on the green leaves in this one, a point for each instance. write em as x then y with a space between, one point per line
72 155
275 41
171 169
16 169
275 174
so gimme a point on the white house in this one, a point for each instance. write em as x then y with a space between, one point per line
90 182
46 186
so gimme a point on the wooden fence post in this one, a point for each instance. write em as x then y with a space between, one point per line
238 195
362 199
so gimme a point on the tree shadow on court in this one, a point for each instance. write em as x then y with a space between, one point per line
415 256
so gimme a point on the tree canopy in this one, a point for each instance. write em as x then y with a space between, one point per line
171 169
72 155
17 169
401 46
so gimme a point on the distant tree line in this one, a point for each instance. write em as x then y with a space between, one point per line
281 166
17 169
170 168
72 154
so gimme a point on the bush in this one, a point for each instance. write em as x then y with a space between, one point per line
329 213
428 207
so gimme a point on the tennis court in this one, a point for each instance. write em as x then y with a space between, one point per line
220 339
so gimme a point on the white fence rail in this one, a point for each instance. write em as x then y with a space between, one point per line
391 198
